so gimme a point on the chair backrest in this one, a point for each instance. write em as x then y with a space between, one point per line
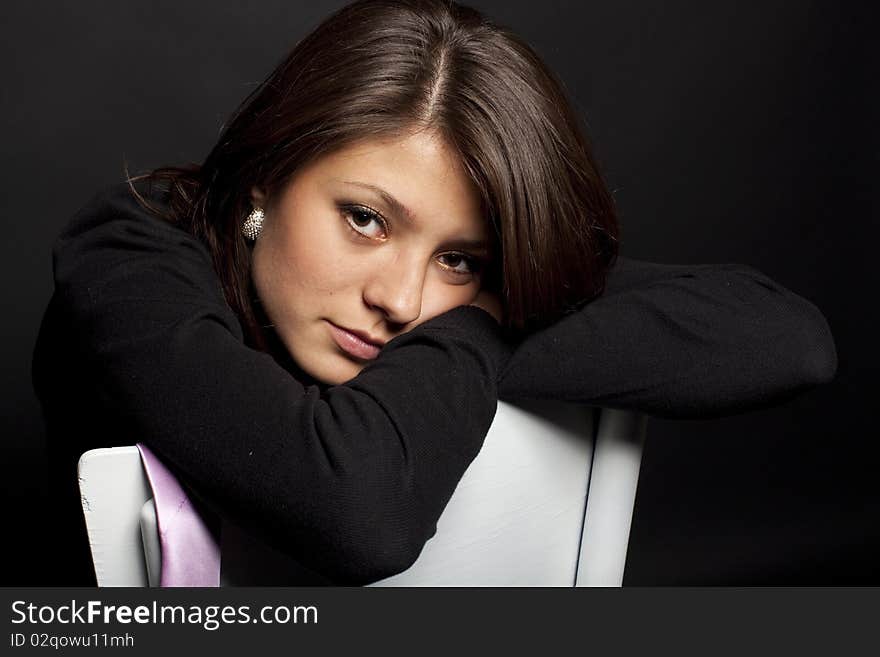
548 501
113 489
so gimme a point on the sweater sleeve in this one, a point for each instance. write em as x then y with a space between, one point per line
678 342
349 480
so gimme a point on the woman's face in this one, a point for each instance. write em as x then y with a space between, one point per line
364 244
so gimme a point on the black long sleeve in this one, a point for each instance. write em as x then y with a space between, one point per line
678 341
349 480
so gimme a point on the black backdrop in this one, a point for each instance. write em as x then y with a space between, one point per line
730 133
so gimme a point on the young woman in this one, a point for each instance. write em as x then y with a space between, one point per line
400 226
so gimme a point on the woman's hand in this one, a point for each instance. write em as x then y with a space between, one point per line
490 302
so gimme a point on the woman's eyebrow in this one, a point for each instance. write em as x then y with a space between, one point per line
477 247
396 206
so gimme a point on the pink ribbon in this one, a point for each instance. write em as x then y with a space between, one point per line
189 537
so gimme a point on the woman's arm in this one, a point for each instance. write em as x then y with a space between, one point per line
678 342
350 481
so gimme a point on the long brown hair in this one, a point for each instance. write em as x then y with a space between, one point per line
381 67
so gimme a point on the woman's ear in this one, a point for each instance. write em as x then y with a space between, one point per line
258 197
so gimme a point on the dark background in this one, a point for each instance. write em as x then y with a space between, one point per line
729 132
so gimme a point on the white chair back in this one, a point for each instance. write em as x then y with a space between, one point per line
548 501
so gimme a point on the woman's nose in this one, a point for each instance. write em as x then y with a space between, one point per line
397 292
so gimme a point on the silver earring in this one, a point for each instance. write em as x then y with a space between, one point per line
253 225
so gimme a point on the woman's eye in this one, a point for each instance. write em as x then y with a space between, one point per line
365 222
459 263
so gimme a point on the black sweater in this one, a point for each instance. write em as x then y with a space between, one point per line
138 344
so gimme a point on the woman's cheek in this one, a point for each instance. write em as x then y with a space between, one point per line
444 297
276 281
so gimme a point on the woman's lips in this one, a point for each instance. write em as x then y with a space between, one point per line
353 344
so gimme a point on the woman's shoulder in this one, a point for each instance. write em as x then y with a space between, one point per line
124 204
119 225
117 260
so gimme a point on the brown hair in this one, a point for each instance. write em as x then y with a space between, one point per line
380 67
